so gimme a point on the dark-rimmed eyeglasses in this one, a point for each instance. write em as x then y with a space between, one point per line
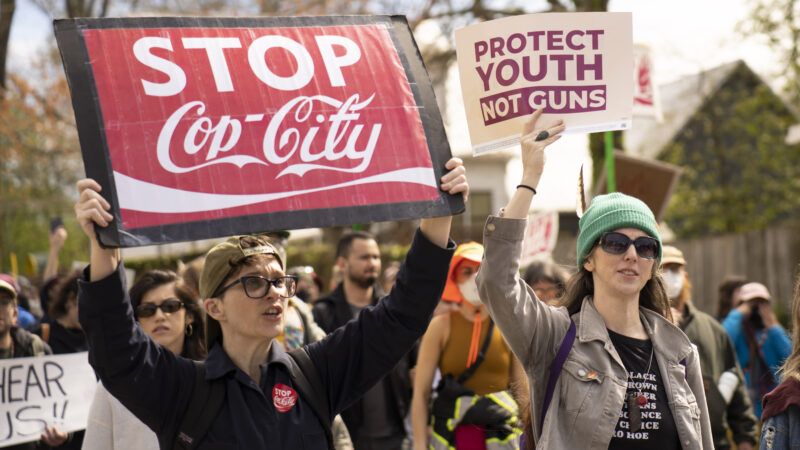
168 306
617 243
256 286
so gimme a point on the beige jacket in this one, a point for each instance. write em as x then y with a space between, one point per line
584 411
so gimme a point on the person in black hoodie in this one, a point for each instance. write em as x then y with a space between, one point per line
245 292
63 331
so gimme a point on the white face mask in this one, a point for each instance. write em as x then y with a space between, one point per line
469 290
673 281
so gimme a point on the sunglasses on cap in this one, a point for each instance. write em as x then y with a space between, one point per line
256 286
617 243
169 305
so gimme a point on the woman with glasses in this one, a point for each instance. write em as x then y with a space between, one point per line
269 399
170 315
607 369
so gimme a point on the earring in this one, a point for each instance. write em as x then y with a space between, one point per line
189 330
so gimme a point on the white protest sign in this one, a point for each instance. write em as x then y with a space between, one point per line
646 101
541 236
47 390
575 66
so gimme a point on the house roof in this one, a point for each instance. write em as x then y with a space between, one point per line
680 100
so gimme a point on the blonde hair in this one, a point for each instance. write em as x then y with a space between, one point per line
791 368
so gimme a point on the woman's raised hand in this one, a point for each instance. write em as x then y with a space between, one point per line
535 137
90 209
455 181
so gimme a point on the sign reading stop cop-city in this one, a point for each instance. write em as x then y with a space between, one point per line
574 66
200 127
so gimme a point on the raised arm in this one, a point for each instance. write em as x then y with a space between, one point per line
437 229
529 326
533 161
355 357
57 238
92 209
148 379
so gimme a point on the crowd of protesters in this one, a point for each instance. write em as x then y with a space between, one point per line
612 354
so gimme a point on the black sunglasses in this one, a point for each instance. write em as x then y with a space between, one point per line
169 305
618 243
256 286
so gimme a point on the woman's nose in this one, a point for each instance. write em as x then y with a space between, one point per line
630 253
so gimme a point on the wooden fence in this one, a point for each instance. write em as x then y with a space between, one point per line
770 256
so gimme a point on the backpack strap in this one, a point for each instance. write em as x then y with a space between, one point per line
555 368
307 381
204 406
465 375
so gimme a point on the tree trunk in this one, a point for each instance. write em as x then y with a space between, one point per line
6 15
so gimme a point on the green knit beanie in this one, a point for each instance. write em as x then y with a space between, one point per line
611 212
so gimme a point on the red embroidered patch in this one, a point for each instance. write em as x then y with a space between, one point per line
283 397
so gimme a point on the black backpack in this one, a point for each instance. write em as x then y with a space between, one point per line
207 400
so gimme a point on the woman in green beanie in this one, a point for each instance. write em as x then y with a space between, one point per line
607 369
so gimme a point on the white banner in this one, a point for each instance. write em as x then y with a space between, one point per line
541 236
573 66
47 390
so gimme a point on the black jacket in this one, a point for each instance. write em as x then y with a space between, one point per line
63 340
27 344
156 385
332 312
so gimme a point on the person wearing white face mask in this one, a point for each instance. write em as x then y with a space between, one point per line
729 406
474 361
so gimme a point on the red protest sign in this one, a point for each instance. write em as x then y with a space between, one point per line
212 127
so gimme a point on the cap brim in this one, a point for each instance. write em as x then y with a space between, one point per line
5 286
673 260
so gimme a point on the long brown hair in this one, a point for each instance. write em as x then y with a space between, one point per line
791 368
653 296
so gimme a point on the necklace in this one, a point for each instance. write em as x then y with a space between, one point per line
637 400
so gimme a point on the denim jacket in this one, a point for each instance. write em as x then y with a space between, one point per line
591 388
782 432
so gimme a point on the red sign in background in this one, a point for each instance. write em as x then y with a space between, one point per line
209 123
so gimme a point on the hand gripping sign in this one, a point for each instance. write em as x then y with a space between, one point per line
576 66
200 127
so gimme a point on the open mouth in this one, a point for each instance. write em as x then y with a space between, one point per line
273 312
160 328
629 272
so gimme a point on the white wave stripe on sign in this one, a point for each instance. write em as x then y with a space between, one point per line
137 195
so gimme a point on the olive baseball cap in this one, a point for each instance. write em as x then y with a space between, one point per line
220 262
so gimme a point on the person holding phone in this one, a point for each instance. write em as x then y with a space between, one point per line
761 343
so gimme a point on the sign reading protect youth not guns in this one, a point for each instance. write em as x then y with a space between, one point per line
48 390
200 127
575 66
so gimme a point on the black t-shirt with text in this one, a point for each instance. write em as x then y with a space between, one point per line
657 427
